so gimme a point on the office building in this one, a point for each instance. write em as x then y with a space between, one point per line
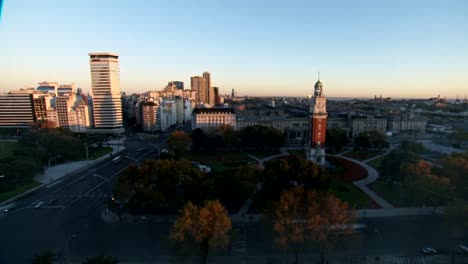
198 84
65 89
150 116
17 110
105 87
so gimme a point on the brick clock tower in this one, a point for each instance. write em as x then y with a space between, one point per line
318 125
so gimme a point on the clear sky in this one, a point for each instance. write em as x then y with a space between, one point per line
396 48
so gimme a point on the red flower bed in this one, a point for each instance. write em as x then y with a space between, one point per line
350 171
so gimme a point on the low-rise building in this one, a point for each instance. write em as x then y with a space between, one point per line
212 118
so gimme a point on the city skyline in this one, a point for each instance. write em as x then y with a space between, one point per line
362 49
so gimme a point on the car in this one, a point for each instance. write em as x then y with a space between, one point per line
39 204
8 208
34 203
429 251
463 248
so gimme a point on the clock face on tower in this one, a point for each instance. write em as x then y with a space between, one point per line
320 105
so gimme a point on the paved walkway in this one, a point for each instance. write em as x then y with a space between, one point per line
372 176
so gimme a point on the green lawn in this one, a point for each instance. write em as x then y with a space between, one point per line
299 152
21 189
376 162
362 154
348 192
7 148
393 193
100 152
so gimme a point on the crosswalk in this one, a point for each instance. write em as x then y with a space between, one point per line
239 244
409 260
67 200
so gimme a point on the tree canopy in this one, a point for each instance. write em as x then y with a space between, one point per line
303 215
371 139
261 137
206 225
161 185
336 139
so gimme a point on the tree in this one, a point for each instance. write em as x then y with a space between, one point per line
179 142
371 139
336 139
198 139
101 260
261 137
455 168
208 226
228 134
303 215
296 171
159 186
45 257
423 185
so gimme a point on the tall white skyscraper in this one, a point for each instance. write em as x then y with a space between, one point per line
105 86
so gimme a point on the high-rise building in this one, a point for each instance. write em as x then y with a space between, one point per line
17 110
217 100
65 89
202 85
209 88
48 87
150 116
105 87
198 84
179 85
318 125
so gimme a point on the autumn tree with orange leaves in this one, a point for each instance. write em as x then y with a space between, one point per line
303 215
208 226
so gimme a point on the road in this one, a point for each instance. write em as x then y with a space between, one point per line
70 215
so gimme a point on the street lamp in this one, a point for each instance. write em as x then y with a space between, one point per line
132 158
159 150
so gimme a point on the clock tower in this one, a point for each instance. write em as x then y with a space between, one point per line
318 125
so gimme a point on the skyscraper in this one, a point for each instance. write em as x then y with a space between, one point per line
198 84
209 89
105 87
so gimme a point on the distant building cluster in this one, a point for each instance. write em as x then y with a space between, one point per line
49 105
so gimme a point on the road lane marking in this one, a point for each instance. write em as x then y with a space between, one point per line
96 187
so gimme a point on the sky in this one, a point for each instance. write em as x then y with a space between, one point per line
397 49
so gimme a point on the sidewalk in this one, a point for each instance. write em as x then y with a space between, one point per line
56 172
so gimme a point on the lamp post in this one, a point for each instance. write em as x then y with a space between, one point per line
86 148
53 158
132 158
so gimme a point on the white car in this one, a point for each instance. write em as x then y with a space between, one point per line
463 248
39 204
429 251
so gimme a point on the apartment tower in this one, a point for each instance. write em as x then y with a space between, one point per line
105 87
